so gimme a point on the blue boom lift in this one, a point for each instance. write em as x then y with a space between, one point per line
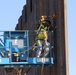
15 50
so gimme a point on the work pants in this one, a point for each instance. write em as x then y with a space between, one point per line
42 45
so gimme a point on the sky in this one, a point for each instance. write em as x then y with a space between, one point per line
71 15
10 10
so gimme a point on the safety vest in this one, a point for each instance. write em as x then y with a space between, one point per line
42 32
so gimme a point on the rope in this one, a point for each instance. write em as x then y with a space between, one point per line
33 46
42 70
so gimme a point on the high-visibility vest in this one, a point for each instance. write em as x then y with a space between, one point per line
42 32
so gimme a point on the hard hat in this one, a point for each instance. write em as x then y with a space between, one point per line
45 21
43 18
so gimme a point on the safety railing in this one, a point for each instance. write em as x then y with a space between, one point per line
19 46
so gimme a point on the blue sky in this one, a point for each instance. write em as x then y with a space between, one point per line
71 15
10 10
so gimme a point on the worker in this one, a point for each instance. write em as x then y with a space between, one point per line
42 37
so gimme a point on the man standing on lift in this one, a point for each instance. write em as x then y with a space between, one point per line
42 37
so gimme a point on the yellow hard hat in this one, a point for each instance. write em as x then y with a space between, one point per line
43 18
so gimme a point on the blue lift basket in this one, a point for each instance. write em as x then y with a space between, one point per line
15 50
